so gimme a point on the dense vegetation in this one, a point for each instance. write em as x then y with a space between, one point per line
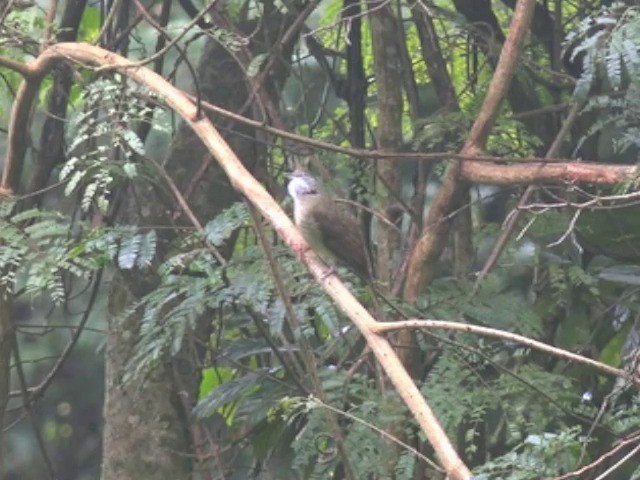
160 318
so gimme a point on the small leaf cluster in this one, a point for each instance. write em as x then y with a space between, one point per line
608 42
538 456
104 146
608 46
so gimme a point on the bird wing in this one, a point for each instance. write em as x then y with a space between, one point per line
342 236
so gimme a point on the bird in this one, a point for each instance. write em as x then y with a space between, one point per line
331 232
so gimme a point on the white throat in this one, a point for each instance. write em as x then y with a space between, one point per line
302 185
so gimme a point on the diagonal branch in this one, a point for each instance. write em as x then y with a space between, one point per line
430 244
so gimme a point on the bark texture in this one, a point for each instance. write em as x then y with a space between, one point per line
389 83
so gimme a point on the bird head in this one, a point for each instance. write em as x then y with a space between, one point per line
301 184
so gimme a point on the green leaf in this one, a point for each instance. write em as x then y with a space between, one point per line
213 377
130 169
147 249
129 250
226 393
77 176
254 67
90 25
222 227
133 141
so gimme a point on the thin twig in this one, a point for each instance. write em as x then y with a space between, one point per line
29 411
510 225
39 390
161 47
168 46
619 463
48 22
282 292
373 154
494 332
186 209
378 430
599 460
568 231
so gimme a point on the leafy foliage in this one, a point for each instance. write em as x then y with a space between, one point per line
39 251
543 455
608 44
104 146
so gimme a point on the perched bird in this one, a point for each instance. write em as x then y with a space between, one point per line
327 228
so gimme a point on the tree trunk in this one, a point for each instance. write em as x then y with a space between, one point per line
389 82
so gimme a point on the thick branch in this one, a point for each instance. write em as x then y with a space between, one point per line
18 134
595 173
501 80
436 227
51 144
485 28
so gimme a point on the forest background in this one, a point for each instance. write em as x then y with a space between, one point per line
161 317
